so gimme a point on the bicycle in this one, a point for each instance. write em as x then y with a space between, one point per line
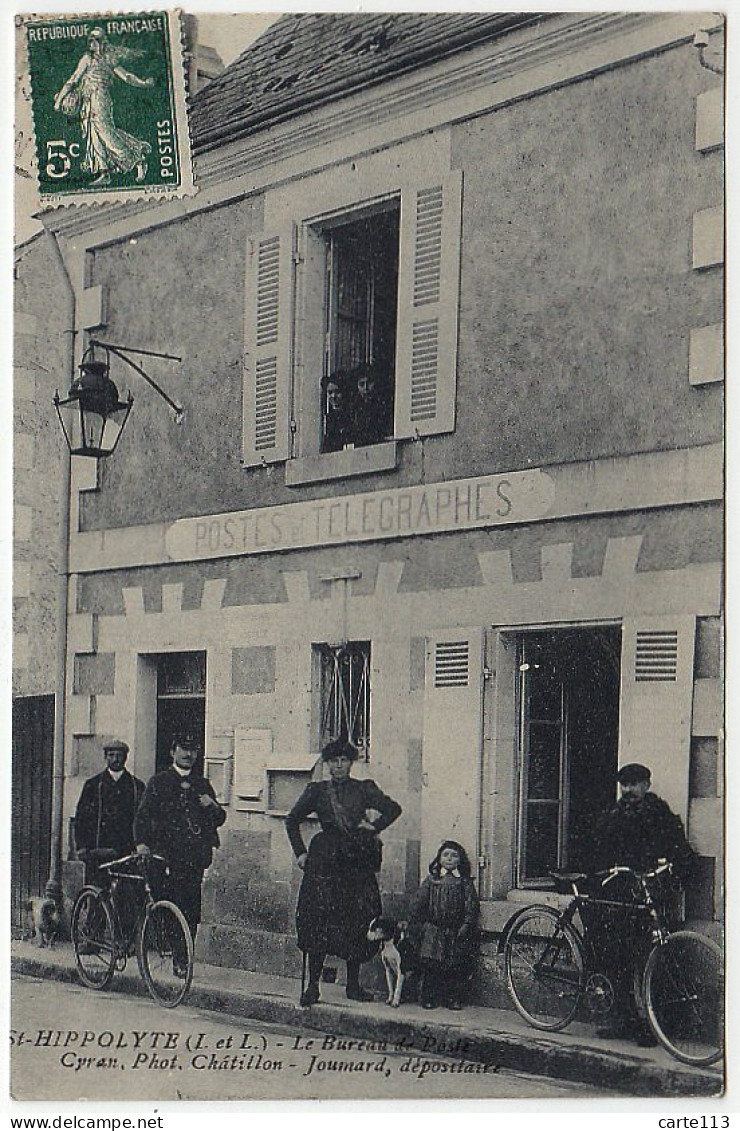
552 966
158 933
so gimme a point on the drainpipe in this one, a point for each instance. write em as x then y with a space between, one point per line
54 883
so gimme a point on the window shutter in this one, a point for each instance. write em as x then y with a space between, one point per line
267 349
252 750
452 740
428 299
656 697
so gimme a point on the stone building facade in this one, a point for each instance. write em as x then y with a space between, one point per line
515 583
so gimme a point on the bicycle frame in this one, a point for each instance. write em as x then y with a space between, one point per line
124 941
643 902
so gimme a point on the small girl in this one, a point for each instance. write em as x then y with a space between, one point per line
446 909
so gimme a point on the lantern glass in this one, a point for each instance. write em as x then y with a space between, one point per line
92 415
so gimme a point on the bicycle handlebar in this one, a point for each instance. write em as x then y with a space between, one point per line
131 857
622 869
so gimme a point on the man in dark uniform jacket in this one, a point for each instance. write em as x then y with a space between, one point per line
104 820
637 832
178 819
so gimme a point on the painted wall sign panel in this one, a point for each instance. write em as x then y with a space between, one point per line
606 486
490 500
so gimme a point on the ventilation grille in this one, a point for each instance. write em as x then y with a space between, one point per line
424 351
452 664
268 287
656 657
265 404
428 250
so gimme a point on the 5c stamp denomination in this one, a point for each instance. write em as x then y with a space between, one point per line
109 107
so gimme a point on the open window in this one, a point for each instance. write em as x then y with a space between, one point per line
361 309
569 682
351 328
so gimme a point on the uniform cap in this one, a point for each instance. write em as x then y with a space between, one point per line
187 740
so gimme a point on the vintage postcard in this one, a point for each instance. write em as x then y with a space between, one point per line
368 722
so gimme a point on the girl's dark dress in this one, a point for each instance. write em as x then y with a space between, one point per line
445 919
339 892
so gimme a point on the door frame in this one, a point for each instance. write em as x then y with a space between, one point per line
500 792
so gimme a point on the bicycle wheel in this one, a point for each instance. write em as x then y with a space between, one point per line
164 949
684 997
94 939
544 968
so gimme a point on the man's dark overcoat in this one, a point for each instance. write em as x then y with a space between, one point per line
105 813
640 833
173 823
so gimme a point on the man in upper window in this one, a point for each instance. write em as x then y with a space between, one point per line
104 820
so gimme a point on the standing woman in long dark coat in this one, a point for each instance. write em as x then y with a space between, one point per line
339 893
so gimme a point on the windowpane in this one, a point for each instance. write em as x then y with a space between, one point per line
345 694
542 839
362 296
543 768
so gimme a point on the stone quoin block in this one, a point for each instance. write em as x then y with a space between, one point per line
23 452
253 670
710 122
24 384
706 355
708 238
95 674
93 308
21 579
20 651
23 523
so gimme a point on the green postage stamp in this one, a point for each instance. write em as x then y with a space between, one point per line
109 107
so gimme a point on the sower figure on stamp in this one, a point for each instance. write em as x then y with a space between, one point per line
637 832
104 818
88 91
178 819
339 893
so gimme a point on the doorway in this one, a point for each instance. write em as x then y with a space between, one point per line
568 699
32 758
181 702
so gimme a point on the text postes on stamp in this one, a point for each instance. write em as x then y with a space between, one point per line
109 107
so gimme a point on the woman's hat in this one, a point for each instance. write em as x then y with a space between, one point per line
338 748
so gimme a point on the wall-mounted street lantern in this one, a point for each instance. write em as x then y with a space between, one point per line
93 415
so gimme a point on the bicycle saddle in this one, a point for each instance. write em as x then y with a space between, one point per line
564 880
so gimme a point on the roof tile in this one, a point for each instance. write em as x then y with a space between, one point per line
307 59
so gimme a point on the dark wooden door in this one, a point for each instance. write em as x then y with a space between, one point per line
33 748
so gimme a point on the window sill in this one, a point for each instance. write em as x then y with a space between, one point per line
342 465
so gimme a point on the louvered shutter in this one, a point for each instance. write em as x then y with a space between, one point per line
656 698
452 741
267 348
428 299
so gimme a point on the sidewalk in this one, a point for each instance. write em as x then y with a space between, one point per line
491 1036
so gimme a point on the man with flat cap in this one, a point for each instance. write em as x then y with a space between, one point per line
104 819
637 832
641 828
178 819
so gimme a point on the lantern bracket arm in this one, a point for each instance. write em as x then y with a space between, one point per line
122 352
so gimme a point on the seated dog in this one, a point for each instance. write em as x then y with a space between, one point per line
44 920
396 952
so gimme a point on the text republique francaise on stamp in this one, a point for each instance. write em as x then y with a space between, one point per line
109 107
